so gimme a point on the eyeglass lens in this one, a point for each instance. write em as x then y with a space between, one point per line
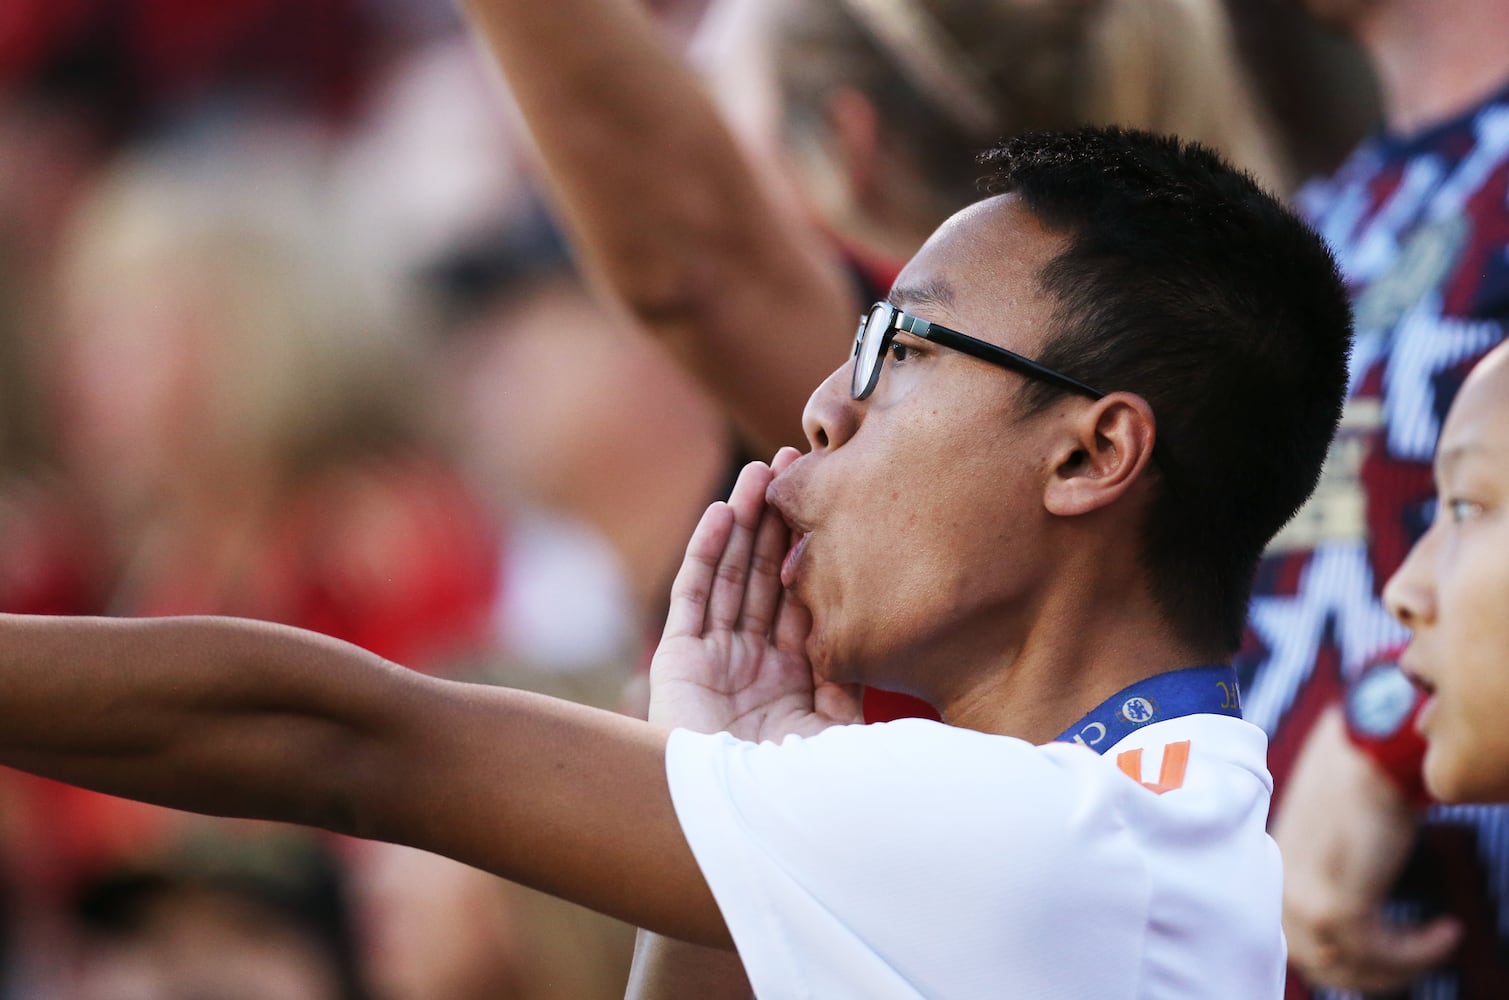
873 330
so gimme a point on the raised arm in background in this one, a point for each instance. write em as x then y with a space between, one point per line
883 111
666 210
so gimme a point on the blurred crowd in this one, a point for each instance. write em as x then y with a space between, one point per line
289 329
288 335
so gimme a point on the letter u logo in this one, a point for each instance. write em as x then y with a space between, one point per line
1170 774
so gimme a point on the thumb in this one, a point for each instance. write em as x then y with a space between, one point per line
1403 953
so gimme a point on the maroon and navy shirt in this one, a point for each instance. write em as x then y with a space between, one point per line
1420 228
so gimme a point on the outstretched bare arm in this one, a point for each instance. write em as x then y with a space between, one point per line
244 718
247 719
666 209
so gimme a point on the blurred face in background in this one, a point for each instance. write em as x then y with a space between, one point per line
435 929
193 944
131 376
560 406
544 391
216 327
1453 593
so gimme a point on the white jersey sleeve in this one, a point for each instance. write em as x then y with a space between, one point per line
913 859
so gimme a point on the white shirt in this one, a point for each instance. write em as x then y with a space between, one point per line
913 859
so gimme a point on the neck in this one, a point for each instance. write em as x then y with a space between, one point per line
1098 633
1434 58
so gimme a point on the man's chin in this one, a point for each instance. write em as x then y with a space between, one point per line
823 663
828 663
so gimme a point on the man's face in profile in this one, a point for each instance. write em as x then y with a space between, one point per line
918 515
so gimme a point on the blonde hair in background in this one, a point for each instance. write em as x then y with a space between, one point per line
1173 66
930 60
305 356
1025 65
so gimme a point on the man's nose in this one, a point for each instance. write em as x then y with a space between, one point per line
831 415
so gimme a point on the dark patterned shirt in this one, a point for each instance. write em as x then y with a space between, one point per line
1420 227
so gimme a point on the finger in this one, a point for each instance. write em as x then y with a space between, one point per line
730 582
763 595
783 459
762 602
694 580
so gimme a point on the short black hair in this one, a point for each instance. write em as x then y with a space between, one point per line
1185 282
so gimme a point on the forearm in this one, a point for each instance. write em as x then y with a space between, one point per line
666 208
631 142
211 715
248 719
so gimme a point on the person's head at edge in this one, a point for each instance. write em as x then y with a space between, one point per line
1452 592
989 521
222 912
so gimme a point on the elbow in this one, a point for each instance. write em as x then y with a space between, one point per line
663 288
657 299
671 273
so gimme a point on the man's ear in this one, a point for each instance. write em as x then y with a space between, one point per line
1105 450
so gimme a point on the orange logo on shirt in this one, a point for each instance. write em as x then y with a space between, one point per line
1170 775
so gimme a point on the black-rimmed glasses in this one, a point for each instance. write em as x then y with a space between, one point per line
879 326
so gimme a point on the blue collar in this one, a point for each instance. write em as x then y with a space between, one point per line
1191 691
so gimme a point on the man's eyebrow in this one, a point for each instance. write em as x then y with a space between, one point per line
929 293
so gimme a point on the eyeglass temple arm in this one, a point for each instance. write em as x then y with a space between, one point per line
977 348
